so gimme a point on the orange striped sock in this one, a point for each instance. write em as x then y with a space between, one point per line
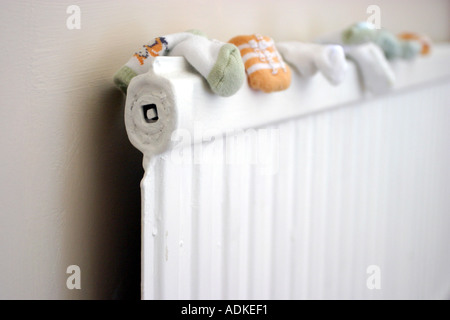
265 68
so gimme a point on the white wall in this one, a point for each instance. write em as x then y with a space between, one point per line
69 179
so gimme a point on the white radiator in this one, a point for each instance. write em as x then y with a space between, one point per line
259 196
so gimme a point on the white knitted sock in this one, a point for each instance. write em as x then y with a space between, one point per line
375 70
218 62
307 58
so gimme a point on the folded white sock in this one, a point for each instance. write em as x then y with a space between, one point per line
376 73
218 62
308 58
300 56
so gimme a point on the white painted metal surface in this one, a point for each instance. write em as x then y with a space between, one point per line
278 206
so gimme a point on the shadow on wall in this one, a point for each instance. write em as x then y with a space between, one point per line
102 199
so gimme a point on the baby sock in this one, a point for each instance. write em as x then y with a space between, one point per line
358 33
389 43
392 46
219 63
300 56
266 70
364 32
377 75
140 62
409 49
424 41
307 58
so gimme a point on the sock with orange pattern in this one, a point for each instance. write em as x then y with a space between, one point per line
265 68
141 60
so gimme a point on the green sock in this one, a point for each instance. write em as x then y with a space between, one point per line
364 32
410 49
